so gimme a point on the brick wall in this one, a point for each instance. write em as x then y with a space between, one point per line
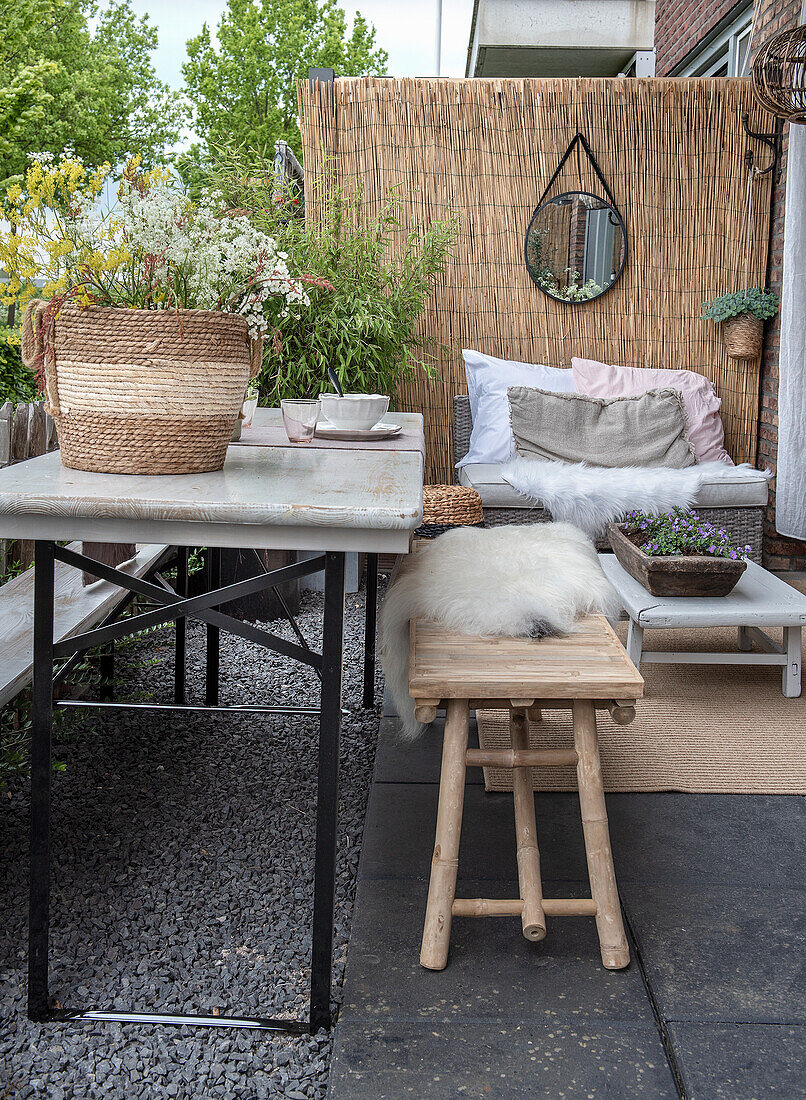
680 25
779 552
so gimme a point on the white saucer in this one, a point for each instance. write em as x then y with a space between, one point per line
326 430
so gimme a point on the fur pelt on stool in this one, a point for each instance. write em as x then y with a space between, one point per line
518 581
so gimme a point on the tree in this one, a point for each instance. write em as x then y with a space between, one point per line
243 89
94 92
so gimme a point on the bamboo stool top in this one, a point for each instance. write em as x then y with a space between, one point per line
590 663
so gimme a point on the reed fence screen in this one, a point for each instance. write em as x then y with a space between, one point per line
673 153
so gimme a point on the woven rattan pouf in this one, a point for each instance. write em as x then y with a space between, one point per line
447 506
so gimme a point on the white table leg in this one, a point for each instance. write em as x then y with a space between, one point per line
792 644
635 642
745 642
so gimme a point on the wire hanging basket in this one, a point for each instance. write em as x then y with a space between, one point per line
779 75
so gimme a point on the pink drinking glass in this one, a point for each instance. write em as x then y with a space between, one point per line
299 419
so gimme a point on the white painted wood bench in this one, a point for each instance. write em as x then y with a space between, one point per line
76 608
759 600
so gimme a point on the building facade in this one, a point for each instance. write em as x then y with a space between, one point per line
704 38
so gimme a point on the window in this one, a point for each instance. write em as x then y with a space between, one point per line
726 53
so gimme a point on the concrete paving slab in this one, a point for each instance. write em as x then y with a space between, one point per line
722 954
399 761
756 840
741 1061
493 972
498 1061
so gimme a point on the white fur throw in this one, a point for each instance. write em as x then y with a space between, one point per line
522 581
590 497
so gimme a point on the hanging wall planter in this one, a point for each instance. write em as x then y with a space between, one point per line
742 316
743 336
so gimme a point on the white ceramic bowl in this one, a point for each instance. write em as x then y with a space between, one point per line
356 411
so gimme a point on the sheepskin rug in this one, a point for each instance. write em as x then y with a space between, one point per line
590 497
519 581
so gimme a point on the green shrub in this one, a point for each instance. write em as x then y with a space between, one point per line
758 302
378 279
17 383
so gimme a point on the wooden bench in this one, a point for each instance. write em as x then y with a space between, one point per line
586 670
76 608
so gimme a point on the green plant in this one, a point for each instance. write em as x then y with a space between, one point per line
17 383
680 532
381 277
758 302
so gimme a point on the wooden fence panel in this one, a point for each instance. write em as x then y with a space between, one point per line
673 152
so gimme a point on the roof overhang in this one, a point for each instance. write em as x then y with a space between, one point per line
558 37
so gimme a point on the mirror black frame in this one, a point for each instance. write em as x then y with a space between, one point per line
613 210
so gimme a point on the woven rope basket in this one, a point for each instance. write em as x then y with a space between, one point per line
743 336
447 506
138 391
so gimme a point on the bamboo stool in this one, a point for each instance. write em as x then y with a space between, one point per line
583 671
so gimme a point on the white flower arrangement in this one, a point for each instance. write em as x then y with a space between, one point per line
156 249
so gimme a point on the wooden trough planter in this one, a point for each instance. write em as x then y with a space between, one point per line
678 574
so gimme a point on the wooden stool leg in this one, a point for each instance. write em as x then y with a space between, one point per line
445 862
612 940
533 919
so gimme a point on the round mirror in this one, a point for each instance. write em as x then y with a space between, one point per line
576 246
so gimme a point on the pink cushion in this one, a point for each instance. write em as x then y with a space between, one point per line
704 424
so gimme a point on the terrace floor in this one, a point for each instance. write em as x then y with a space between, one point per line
713 1004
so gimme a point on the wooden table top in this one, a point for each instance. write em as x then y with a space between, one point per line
299 497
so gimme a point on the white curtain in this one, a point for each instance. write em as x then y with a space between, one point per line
790 504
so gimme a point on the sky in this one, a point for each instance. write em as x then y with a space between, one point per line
406 30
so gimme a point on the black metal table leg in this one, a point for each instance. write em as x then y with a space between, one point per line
170 605
107 671
370 617
328 792
213 632
42 722
180 642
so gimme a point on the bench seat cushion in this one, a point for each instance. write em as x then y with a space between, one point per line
741 489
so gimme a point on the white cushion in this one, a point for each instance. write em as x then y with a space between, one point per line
488 379
741 488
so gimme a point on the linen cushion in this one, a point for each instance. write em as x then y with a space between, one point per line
703 422
645 430
488 379
741 488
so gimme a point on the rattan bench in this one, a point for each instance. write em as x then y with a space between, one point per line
744 522
586 670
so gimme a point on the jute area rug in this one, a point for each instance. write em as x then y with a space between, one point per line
700 728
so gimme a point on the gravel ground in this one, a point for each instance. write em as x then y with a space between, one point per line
182 880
